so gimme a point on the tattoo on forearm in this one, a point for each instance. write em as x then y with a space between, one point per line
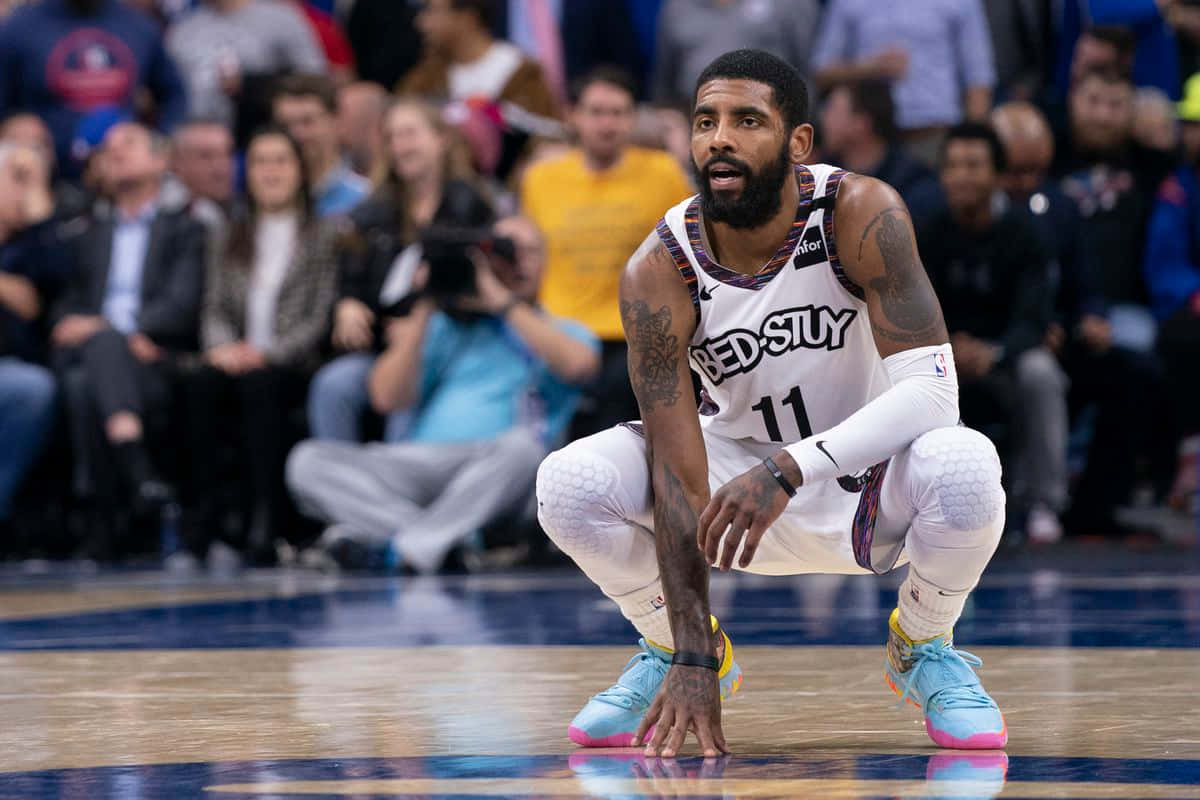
681 565
912 311
654 356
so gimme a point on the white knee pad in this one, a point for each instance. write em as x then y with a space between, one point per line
575 489
962 468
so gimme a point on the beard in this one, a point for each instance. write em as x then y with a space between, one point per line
761 195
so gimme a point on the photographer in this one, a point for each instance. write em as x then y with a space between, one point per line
427 180
491 381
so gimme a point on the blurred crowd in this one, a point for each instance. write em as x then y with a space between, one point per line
322 282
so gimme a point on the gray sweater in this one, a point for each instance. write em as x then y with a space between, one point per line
263 37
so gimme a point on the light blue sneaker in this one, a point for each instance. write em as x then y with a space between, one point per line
611 718
939 680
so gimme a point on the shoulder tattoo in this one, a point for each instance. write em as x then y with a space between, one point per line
907 303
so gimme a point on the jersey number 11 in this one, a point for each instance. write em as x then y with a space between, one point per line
766 407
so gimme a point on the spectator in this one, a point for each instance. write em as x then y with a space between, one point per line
202 163
1023 46
1172 269
594 205
1136 29
231 52
360 123
991 275
428 180
1103 48
1154 123
1116 383
593 32
132 306
665 127
306 106
30 131
384 37
691 33
858 129
491 381
463 60
63 58
331 38
937 54
32 268
1112 180
266 313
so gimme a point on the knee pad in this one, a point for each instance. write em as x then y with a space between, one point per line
963 469
575 489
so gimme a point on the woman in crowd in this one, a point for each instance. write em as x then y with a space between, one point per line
427 178
266 312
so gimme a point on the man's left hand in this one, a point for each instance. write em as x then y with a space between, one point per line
745 507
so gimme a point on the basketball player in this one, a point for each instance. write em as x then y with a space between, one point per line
826 439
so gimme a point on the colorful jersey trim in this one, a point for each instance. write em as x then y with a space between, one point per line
862 534
807 184
832 184
681 263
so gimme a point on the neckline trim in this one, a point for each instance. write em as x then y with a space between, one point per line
807 186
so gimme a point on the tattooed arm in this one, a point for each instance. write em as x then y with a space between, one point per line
876 246
659 320
878 251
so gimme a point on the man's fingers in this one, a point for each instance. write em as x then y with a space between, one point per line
719 737
716 529
675 737
706 517
665 718
705 736
732 539
753 537
648 719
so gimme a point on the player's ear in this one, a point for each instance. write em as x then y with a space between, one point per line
801 143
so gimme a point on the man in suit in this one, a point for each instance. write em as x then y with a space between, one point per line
131 308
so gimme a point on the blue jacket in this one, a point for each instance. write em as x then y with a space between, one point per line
60 65
1172 262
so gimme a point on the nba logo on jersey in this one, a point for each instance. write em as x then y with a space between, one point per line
939 365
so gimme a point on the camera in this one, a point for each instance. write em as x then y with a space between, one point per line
448 251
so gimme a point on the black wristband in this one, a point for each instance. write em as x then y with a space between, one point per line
687 659
777 474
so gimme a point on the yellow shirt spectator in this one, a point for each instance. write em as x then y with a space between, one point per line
593 222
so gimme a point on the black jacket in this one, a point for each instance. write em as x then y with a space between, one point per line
992 284
172 277
37 254
369 250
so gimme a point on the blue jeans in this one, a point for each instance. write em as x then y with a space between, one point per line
26 414
338 399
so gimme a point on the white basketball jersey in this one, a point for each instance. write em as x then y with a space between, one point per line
786 352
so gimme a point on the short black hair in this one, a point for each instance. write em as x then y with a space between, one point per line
787 85
310 85
485 10
873 97
976 132
1122 39
605 73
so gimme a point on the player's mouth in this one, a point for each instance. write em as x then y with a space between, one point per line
725 177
